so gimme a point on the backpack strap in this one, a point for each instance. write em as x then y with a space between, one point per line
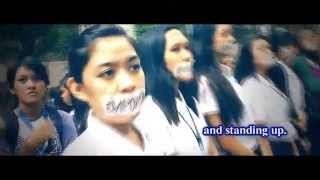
12 126
57 120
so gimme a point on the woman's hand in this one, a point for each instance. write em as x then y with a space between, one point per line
44 131
302 121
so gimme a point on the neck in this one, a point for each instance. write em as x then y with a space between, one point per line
262 72
123 129
33 111
176 88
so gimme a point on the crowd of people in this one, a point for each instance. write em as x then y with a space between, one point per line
155 95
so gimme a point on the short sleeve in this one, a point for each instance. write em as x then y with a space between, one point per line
207 100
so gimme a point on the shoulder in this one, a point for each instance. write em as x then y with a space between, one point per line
68 125
66 118
82 145
150 112
249 81
299 61
150 106
65 115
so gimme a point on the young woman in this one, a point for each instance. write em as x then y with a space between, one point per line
221 99
307 66
167 61
106 74
41 130
270 106
285 46
63 98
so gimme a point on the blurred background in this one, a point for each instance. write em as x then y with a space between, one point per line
50 42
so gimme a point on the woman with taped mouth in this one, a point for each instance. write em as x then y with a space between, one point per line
270 106
167 62
106 74
221 99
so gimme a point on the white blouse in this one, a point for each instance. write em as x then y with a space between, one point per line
174 139
208 105
296 89
100 139
269 105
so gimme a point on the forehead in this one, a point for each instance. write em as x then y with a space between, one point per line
112 45
24 71
112 48
259 43
224 27
174 36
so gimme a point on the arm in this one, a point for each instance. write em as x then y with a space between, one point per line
4 147
29 147
45 131
265 147
212 148
229 143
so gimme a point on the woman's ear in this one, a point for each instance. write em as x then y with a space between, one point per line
76 89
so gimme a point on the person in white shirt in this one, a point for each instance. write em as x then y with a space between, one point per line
269 105
167 62
106 74
220 97
285 46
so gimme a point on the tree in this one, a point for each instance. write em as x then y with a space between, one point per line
43 41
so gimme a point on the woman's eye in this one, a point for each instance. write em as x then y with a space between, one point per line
22 80
175 49
108 73
135 67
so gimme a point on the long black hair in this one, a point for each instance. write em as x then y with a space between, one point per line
78 58
230 105
159 81
245 66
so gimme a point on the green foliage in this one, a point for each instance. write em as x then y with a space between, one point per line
55 44
41 40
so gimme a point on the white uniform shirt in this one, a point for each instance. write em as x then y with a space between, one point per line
269 105
296 89
174 139
208 105
100 139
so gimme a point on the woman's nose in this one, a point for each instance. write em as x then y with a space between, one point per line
126 84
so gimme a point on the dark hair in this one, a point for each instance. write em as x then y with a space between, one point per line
79 53
79 57
159 82
230 105
282 38
31 63
245 66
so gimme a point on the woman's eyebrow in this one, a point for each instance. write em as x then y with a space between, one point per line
106 64
132 58
21 76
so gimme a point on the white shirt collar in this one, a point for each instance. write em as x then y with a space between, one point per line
117 143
